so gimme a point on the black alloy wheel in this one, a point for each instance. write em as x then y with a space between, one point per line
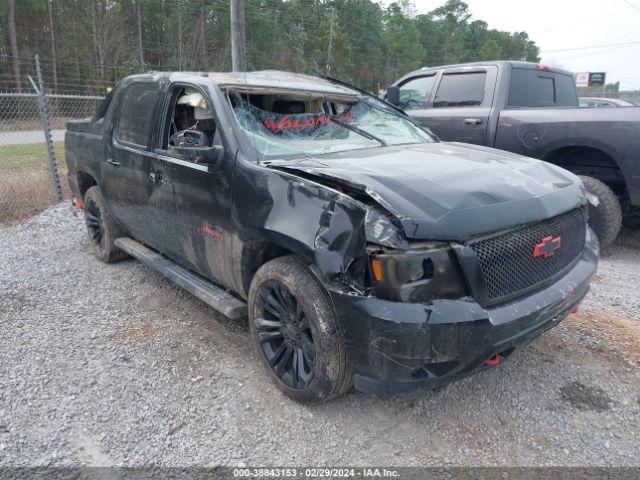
101 227
284 334
95 224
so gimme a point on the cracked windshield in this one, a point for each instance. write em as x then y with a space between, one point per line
293 125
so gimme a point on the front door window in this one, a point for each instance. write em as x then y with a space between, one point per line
191 121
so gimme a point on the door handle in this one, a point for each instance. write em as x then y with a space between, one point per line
112 162
155 177
472 121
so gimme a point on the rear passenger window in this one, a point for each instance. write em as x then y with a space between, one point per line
460 90
532 88
136 114
414 93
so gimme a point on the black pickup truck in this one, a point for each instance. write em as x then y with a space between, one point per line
361 248
533 110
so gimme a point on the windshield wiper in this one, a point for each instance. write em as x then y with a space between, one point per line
359 131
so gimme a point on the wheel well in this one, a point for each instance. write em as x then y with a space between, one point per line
592 163
85 182
256 254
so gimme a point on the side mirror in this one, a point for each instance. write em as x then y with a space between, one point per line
393 95
209 156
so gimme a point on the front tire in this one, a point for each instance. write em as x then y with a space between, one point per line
605 213
296 333
101 227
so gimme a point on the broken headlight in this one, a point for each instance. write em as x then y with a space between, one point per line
417 275
382 230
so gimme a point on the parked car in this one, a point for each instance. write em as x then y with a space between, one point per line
361 248
604 102
532 110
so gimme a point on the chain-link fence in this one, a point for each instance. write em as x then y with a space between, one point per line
26 183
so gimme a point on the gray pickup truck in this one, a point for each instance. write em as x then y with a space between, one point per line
533 110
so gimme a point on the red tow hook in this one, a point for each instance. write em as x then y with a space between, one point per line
494 360
77 204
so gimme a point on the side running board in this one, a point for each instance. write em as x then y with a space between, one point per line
206 291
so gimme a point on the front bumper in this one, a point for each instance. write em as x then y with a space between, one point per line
398 347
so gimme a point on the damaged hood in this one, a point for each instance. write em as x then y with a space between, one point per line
449 191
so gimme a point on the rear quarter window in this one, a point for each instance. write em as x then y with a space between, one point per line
534 88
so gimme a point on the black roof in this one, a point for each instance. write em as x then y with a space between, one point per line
263 79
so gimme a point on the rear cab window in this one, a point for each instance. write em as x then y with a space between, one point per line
539 88
136 114
103 107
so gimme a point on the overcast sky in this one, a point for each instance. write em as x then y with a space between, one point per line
561 28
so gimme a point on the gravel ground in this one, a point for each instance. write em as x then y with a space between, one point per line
114 365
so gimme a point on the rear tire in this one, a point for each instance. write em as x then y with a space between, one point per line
101 227
296 333
605 213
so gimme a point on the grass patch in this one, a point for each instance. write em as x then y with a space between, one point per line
30 155
25 183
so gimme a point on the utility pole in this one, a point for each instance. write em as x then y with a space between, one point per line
179 38
238 49
54 58
139 20
330 42
15 60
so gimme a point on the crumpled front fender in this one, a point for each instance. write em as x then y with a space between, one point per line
327 227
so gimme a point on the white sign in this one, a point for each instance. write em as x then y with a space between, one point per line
582 79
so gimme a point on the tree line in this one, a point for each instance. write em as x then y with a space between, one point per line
87 45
